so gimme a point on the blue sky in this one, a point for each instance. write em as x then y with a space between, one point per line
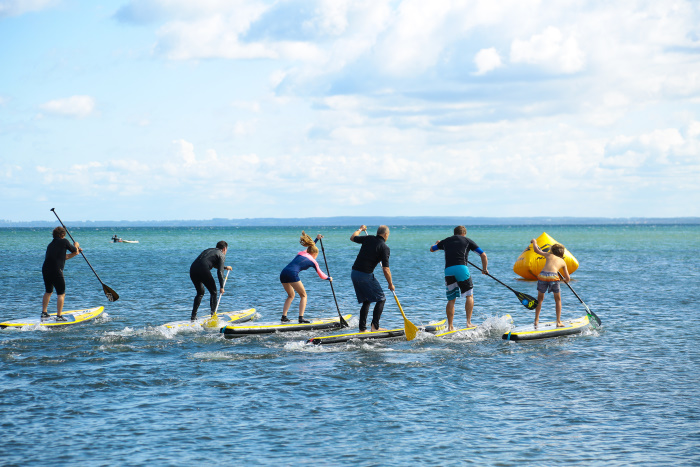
174 109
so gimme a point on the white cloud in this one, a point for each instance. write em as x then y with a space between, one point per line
487 60
550 49
19 7
75 106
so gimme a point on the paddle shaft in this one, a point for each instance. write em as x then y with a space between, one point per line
531 301
343 323
219 299
111 295
590 312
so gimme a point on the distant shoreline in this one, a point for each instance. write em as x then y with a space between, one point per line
369 220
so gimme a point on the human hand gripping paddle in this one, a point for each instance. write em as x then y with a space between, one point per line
526 300
343 323
588 310
214 319
111 295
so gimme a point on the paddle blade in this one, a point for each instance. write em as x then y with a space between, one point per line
212 322
593 315
111 295
410 329
527 301
343 323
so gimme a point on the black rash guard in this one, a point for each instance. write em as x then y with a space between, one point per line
457 249
55 259
373 250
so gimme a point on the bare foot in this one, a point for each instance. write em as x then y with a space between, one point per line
380 329
469 325
450 328
536 322
560 324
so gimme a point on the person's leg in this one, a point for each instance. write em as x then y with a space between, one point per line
288 302
540 298
45 303
299 288
210 284
199 287
557 305
59 304
364 310
376 314
450 312
468 308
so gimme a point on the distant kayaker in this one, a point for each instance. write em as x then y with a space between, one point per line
367 289
548 278
458 281
52 271
200 273
289 277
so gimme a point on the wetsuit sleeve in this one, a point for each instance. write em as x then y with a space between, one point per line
474 247
70 247
359 239
439 246
220 269
385 256
318 270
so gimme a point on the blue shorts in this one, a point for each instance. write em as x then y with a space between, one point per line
367 288
288 275
458 282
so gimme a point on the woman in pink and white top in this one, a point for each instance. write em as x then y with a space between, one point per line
289 277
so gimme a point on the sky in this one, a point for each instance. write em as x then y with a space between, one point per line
175 109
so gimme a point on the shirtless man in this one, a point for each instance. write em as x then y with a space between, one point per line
548 278
367 289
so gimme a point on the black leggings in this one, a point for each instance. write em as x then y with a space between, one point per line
376 314
202 279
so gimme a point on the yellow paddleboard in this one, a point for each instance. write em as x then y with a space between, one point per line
269 328
469 329
72 317
398 332
224 318
547 330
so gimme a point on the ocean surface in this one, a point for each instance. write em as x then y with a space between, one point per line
123 390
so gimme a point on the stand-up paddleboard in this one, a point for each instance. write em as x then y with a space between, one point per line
231 331
240 316
72 317
130 241
547 330
360 336
469 329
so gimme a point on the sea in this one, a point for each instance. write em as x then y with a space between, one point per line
125 390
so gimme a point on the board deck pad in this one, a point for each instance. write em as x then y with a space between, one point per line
390 333
238 316
548 330
72 317
272 327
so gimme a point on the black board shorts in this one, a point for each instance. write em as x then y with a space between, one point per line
54 278
367 288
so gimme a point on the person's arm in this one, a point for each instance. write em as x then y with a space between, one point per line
484 263
565 274
74 250
536 248
320 273
220 271
358 232
387 275
437 246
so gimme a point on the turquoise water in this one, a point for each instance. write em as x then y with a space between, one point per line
122 390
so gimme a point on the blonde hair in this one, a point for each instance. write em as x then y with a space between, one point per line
308 242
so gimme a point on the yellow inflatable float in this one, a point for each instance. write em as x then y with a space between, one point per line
529 264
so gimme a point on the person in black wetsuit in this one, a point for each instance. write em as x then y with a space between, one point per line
458 280
200 273
52 271
367 289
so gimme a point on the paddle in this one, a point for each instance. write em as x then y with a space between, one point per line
526 300
343 323
409 328
588 310
214 319
111 295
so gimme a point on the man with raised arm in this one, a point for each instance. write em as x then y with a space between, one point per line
457 278
373 251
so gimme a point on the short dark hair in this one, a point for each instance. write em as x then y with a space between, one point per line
460 230
557 250
221 245
59 232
